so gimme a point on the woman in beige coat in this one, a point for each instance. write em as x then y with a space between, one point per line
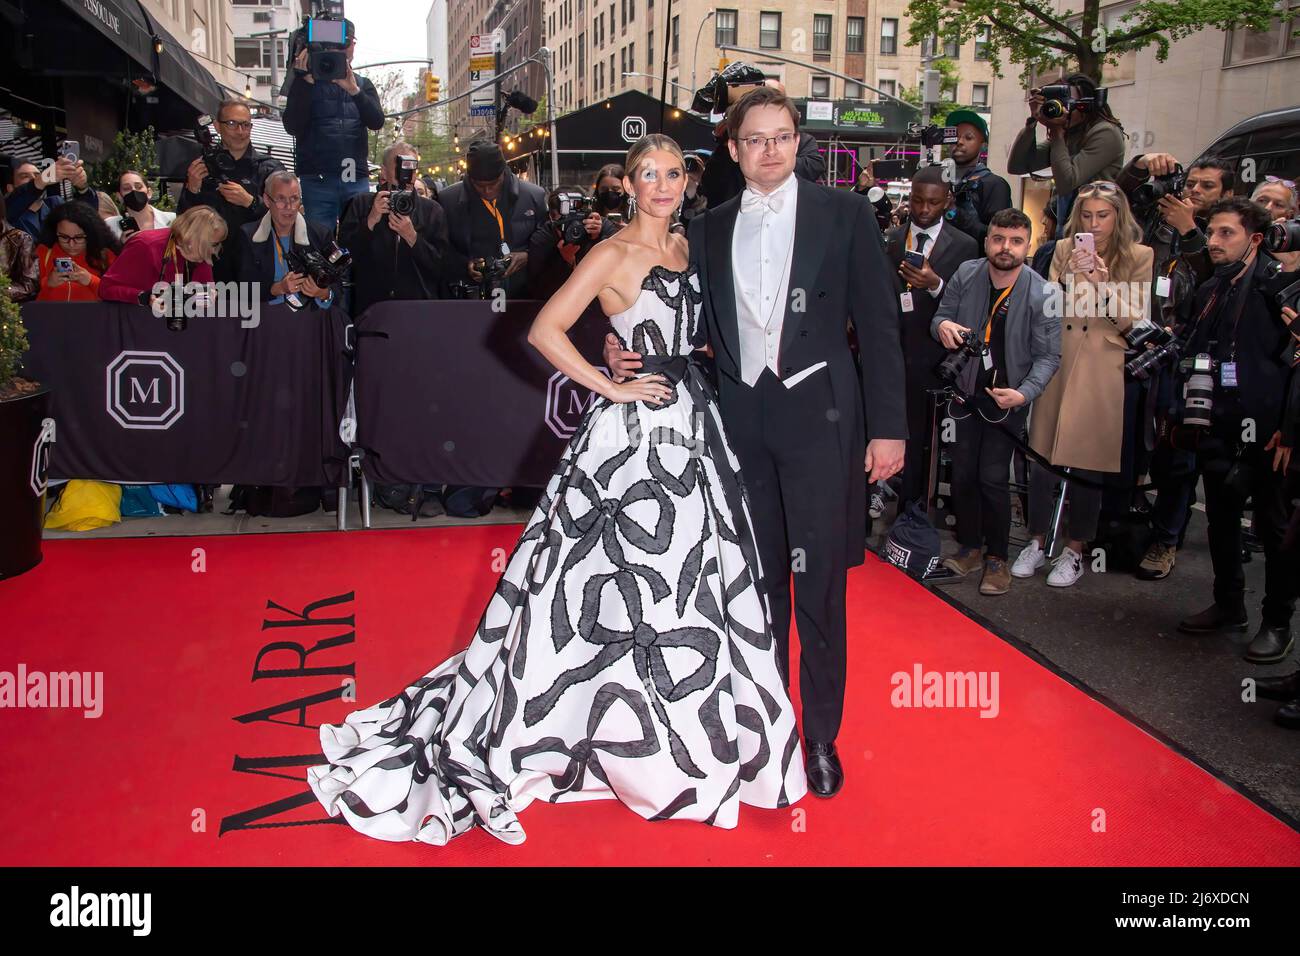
1078 421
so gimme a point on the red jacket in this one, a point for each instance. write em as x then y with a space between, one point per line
141 265
69 291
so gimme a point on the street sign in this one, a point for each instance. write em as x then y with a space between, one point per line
483 49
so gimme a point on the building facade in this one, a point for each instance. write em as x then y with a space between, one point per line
205 27
263 59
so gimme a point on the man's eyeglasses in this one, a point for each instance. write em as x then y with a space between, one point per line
760 142
236 124
72 240
290 202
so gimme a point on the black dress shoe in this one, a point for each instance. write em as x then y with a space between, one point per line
1269 645
825 775
1215 619
1278 688
1288 715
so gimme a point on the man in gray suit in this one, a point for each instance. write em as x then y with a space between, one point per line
1003 308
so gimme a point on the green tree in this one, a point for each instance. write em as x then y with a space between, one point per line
129 151
13 336
951 82
1032 34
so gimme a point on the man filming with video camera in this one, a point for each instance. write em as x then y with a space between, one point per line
229 177
398 239
1236 363
328 110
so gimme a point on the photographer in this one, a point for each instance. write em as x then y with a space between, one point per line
236 193
136 200
270 245
1084 143
552 257
491 215
611 203
1079 419
184 251
28 199
722 178
395 254
1278 196
1239 326
940 249
695 202
979 192
75 250
329 119
998 306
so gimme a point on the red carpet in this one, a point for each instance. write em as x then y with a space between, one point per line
1054 779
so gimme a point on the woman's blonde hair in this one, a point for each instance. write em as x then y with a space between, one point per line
1122 253
107 208
200 229
648 144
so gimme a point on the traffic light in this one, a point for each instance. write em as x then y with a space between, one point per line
432 88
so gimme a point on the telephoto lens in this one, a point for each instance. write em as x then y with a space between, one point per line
1283 236
1198 392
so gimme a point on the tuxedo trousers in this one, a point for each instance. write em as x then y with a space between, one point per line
787 443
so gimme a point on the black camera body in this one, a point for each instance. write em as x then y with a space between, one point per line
402 199
324 270
326 39
955 363
931 136
1144 363
1170 184
574 208
221 165
1058 100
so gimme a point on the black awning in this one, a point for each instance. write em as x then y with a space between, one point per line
180 72
122 22
629 116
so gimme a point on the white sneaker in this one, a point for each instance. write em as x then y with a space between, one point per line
877 507
1030 559
1066 569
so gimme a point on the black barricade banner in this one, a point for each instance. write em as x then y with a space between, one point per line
451 391
215 403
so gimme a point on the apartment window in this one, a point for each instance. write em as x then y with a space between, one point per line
888 36
631 58
853 35
982 44
887 86
650 52
582 54
821 33
552 22
676 33
631 11
623 15
929 45
614 82
821 88
724 28
622 61
979 94
951 49
854 91
248 53
769 31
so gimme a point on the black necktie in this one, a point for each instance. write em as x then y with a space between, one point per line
921 239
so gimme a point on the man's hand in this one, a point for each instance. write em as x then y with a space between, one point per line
1289 316
300 63
292 282
518 261
378 210
592 224
950 334
922 278
349 83
1006 397
622 365
884 458
1156 164
473 271
194 176
1035 103
74 173
235 194
867 178
1178 213
312 289
1281 453
403 226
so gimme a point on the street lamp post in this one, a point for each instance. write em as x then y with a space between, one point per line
695 57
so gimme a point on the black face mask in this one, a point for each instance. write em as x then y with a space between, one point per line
611 199
135 200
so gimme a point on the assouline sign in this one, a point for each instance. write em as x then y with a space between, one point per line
104 14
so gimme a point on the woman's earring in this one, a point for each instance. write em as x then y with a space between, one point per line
631 205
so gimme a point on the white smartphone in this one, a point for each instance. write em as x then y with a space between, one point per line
1085 241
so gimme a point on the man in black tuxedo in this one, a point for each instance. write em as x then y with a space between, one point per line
786 268
941 248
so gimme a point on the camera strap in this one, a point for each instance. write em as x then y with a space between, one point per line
496 214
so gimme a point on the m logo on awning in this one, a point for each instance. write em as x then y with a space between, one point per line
146 390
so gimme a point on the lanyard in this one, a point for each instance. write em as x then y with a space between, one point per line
492 208
988 328
280 253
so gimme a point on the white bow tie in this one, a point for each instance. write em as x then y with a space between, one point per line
751 201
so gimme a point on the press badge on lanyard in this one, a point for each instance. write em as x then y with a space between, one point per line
905 301
1228 374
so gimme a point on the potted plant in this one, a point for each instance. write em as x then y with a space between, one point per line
25 434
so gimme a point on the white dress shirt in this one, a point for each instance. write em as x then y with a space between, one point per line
762 249
933 233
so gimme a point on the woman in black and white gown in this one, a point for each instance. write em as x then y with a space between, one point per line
626 651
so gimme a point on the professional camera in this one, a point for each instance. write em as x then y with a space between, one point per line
1146 361
884 209
952 367
1057 100
324 270
221 165
931 136
1283 236
326 40
402 199
1198 390
494 273
573 209
1170 184
715 95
